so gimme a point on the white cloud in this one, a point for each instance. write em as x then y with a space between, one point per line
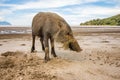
74 15
85 13
78 15
46 4
96 10
22 19
52 3
40 4
1 19
5 11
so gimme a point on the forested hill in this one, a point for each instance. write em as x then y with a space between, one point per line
114 20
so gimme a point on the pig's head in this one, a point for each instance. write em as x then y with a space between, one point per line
66 37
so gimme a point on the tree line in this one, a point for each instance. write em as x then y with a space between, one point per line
114 20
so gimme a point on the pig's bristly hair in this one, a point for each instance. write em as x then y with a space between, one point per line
72 44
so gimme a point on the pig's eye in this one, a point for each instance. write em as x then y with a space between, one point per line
67 33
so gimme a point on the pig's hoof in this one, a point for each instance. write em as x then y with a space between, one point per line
47 59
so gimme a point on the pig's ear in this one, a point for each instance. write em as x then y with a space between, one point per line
61 24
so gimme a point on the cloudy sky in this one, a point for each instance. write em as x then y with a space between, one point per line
21 12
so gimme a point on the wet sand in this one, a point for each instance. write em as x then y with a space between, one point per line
99 60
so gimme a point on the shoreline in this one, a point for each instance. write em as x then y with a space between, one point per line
27 30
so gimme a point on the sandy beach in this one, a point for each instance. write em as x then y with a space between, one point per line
99 59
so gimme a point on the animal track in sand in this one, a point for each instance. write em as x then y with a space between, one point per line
23 44
5 41
1 44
